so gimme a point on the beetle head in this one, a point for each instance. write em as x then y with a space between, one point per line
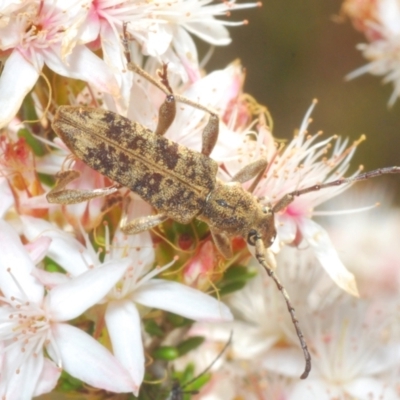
263 226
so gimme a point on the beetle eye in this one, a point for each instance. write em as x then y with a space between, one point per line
252 237
266 210
222 203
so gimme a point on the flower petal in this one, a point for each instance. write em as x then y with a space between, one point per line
85 65
86 359
19 385
286 228
6 197
38 249
64 249
323 248
123 325
71 299
314 389
50 279
181 300
373 388
17 79
16 261
48 378
210 30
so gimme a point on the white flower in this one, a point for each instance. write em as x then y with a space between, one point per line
161 29
138 288
43 32
304 162
354 357
380 22
32 322
372 254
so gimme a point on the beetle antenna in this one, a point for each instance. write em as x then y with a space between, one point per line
212 364
177 390
288 198
260 255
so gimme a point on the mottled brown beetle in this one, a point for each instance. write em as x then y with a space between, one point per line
179 183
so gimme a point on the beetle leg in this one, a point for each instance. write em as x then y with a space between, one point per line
167 114
111 201
222 243
167 110
60 195
253 170
143 224
210 135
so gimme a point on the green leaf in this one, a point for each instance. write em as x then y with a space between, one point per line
47 179
231 287
178 321
151 327
36 146
189 344
52 266
69 383
167 353
238 273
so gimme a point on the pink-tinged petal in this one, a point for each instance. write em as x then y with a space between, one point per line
6 197
326 254
17 79
71 299
50 279
210 31
123 325
286 228
86 359
158 40
91 28
21 385
200 265
181 300
64 249
38 202
48 378
187 52
114 57
15 260
85 65
37 250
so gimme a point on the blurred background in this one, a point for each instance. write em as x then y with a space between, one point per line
294 51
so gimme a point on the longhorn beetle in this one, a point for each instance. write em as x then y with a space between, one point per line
179 183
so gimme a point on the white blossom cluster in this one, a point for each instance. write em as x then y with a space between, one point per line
380 22
77 294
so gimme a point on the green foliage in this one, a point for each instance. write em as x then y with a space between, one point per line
152 328
166 353
235 278
177 321
52 266
68 383
190 344
36 146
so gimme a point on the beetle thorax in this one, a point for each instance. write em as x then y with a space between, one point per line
234 211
